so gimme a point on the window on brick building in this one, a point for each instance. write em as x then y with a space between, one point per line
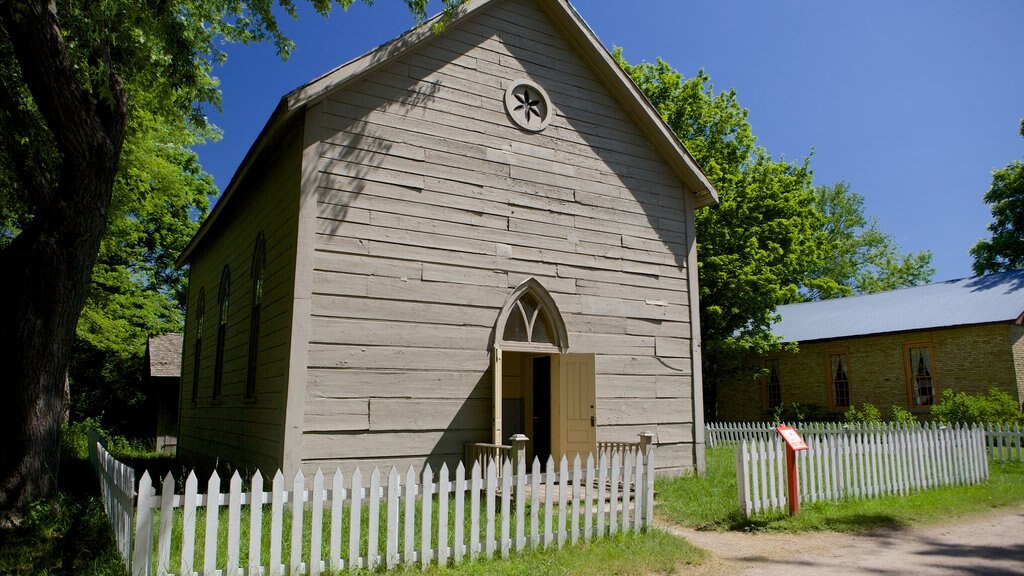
918 359
838 369
772 383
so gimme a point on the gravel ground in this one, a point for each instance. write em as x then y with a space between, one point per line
990 544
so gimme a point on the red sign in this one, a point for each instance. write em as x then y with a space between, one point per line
791 437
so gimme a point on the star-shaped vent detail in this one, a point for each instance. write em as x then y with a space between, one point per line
528 106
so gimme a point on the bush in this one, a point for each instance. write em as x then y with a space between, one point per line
992 407
867 413
796 412
905 417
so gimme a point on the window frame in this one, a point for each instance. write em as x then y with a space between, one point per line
223 306
197 353
256 274
908 373
769 363
830 385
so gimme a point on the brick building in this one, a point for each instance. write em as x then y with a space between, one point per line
898 348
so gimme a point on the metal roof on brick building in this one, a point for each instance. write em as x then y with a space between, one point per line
978 300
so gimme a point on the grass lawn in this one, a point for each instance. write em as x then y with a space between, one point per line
710 502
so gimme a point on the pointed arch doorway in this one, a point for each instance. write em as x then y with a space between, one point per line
548 393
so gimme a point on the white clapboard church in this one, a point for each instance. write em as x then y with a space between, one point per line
455 238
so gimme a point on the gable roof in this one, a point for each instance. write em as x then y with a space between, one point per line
566 19
163 355
978 300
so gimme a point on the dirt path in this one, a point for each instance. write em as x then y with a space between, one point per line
992 543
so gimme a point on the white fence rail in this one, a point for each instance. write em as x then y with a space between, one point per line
1004 442
117 490
861 464
384 520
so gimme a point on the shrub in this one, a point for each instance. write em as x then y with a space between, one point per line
993 407
905 417
867 413
797 412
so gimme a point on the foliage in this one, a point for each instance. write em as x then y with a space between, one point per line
857 257
76 80
799 412
160 194
903 416
991 407
756 246
868 413
1005 249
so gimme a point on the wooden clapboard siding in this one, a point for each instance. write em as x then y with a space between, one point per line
432 206
244 432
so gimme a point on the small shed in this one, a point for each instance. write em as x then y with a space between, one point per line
456 237
163 376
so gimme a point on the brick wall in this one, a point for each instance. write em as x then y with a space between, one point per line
971 359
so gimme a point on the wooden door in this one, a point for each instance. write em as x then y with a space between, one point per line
575 398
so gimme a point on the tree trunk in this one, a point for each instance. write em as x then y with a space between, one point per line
51 261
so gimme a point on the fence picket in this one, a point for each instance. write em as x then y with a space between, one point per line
588 508
337 512
444 485
549 500
490 495
276 521
409 524
373 522
602 471
391 527
212 516
613 495
234 524
460 511
317 525
143 527
626 469
506 507
521 503
474 512
563 477
426 515
163 563
534 503
188 523
297 499
256 501
577 487
355 518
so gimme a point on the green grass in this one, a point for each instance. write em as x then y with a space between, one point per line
710 502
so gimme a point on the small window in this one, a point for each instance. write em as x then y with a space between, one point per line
259 260
838 379
223 300
773 384
198 353
919 359
528 322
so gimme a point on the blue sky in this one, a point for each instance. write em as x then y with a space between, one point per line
912 102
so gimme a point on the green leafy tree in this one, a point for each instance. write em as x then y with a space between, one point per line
757 245
857 257
69 71
1005 249
160 193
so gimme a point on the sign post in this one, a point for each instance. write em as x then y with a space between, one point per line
794 443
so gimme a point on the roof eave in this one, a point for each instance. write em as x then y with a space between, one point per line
275 126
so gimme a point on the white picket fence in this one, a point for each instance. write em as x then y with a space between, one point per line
343 523
117 490
1004 442
861 464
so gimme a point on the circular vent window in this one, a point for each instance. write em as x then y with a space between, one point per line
528 105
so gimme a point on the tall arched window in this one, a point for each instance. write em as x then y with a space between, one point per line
530 320
259 261
223 299
198 353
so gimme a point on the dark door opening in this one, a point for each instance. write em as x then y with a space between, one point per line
542 409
